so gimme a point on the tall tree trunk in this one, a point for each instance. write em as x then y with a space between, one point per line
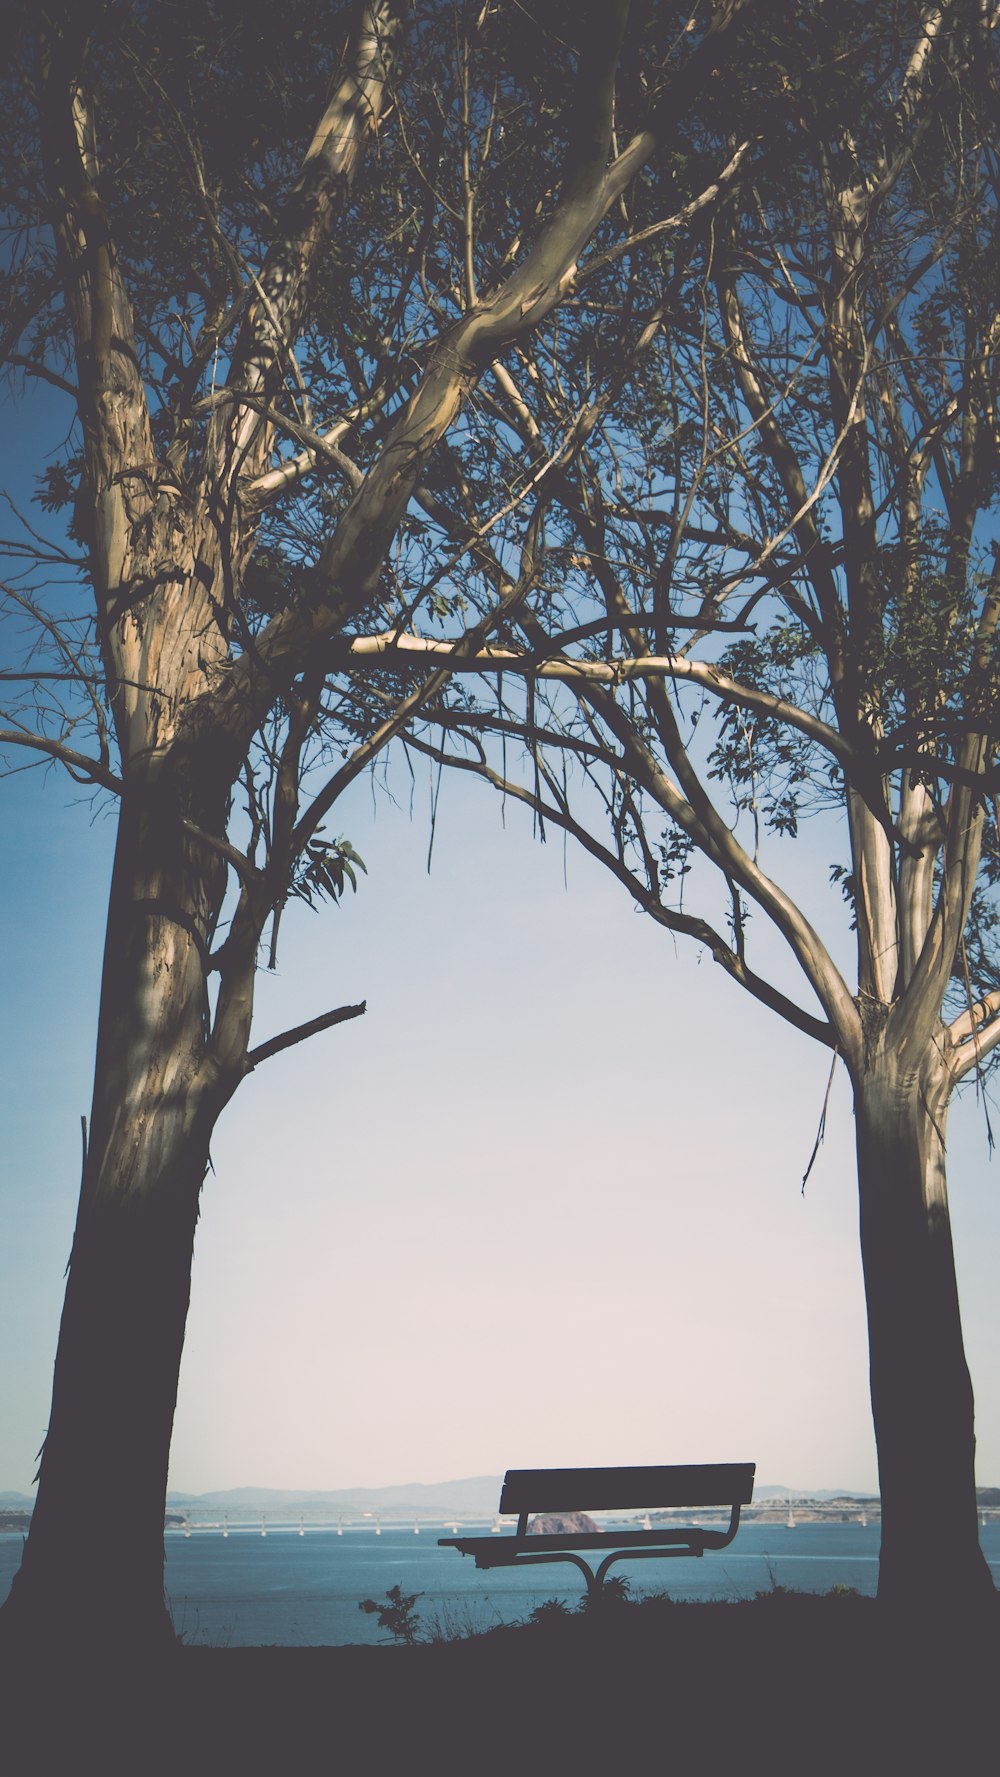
92 1573
920 1385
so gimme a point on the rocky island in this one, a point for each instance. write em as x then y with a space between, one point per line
562 1524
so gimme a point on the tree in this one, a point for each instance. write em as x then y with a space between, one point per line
267 339
766 481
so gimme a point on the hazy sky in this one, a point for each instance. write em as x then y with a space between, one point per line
540 1207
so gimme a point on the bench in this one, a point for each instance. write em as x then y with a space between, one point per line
563 1490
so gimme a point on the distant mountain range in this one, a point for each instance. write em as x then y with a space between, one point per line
476 1496
776 1491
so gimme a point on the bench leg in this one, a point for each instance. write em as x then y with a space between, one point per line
641 1555
595 1581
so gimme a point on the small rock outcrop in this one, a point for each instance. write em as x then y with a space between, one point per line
562 1524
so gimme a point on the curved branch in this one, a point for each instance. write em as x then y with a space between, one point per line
694 811
626 248
971 1053
276 481
238 861
318 445
612 673
33 368
975 1017
698 929
79 766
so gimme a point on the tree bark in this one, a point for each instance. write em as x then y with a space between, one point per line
921 1390
92 1574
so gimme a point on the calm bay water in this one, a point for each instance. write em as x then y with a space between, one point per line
246 1590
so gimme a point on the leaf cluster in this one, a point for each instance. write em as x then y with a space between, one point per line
327 866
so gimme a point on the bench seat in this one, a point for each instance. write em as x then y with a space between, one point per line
530 1491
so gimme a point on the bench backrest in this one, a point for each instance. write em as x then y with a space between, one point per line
580 1489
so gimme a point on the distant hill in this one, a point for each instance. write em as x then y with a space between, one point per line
475 1496
775 1490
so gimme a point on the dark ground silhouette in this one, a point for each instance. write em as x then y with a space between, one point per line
790 1684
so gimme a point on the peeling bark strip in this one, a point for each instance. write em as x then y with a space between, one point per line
242 444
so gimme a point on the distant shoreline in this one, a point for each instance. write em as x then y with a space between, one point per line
208 1511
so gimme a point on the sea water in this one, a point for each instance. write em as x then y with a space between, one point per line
292 1590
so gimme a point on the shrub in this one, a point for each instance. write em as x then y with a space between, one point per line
614 1593
549 1613
397 1614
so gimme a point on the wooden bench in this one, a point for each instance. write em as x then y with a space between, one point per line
561 1490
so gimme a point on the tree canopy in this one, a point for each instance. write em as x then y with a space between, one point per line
778 513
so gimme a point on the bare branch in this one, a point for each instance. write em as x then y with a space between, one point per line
80 767
612 673
674 920
972 1053
301 1033
238 860
669 224
975 1017
45 375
